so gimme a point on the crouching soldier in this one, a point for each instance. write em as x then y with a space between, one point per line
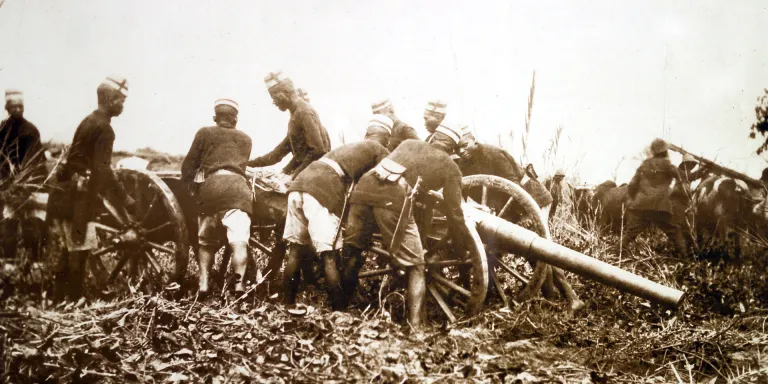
315 203
83 177
378 199
400 130
484 159
217 159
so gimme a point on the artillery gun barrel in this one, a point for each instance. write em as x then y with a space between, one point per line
717 168
516 239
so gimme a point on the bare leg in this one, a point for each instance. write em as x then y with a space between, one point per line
239 263
291 274
333 280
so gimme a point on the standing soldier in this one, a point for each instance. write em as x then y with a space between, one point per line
681 196
306 139
217 156
20 148
434 114
315 203
649 201
84 176
556 190
400 130
378 200
485 159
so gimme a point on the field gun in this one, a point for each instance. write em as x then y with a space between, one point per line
717 168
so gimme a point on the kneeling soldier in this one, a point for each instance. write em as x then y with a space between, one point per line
218 156
315 203
378 199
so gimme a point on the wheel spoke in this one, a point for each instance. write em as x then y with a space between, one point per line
257 244
450 284
105 228
103 251
120 264
145 215
484 196
153 262
375 272
505 207
113 211
499 289
441 302
511 271
159 227
161 248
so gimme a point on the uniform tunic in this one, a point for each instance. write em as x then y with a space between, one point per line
400 132
19 141
492 160
307 139
325 185
216 148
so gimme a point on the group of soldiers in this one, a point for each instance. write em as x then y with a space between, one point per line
365 183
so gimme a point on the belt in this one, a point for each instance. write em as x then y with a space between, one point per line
335 166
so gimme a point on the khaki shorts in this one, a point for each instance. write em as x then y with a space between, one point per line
233 223
310 223
90 242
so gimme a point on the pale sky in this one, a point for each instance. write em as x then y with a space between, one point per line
614 74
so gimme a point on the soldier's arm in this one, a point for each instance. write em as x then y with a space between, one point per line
192 160
274 156
102 164
455 215
634 184
313 135
700 173
402 133
31 151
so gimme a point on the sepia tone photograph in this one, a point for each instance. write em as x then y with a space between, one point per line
500 191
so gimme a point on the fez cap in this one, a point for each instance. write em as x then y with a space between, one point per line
14 95
115 83
381 105
436 106
227 102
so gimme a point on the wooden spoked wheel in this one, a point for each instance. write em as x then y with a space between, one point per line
457 279
148 247
509 273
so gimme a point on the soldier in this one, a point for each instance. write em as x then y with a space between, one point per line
681 195
484 159
306 139
556 190
379 197
85 175
434 114
218 156
400 130
315 203
20 148
649 201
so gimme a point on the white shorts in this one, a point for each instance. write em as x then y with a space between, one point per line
236 223
310 223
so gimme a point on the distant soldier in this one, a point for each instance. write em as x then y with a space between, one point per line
315 202
84 176
434 114
218 156
681 195
20 148
485 159
400 130
649 202
556 190
307 139
378 200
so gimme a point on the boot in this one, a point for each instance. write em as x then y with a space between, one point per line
353 261
9 237
205 258
239 264
332 278
77 274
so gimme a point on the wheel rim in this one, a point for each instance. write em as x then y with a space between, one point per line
511 202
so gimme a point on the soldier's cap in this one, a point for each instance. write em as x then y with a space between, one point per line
560 172
381 122
436 106
454 132
659 146
115 83
688 158
226 102
381 106
14 95
278 81
303 94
